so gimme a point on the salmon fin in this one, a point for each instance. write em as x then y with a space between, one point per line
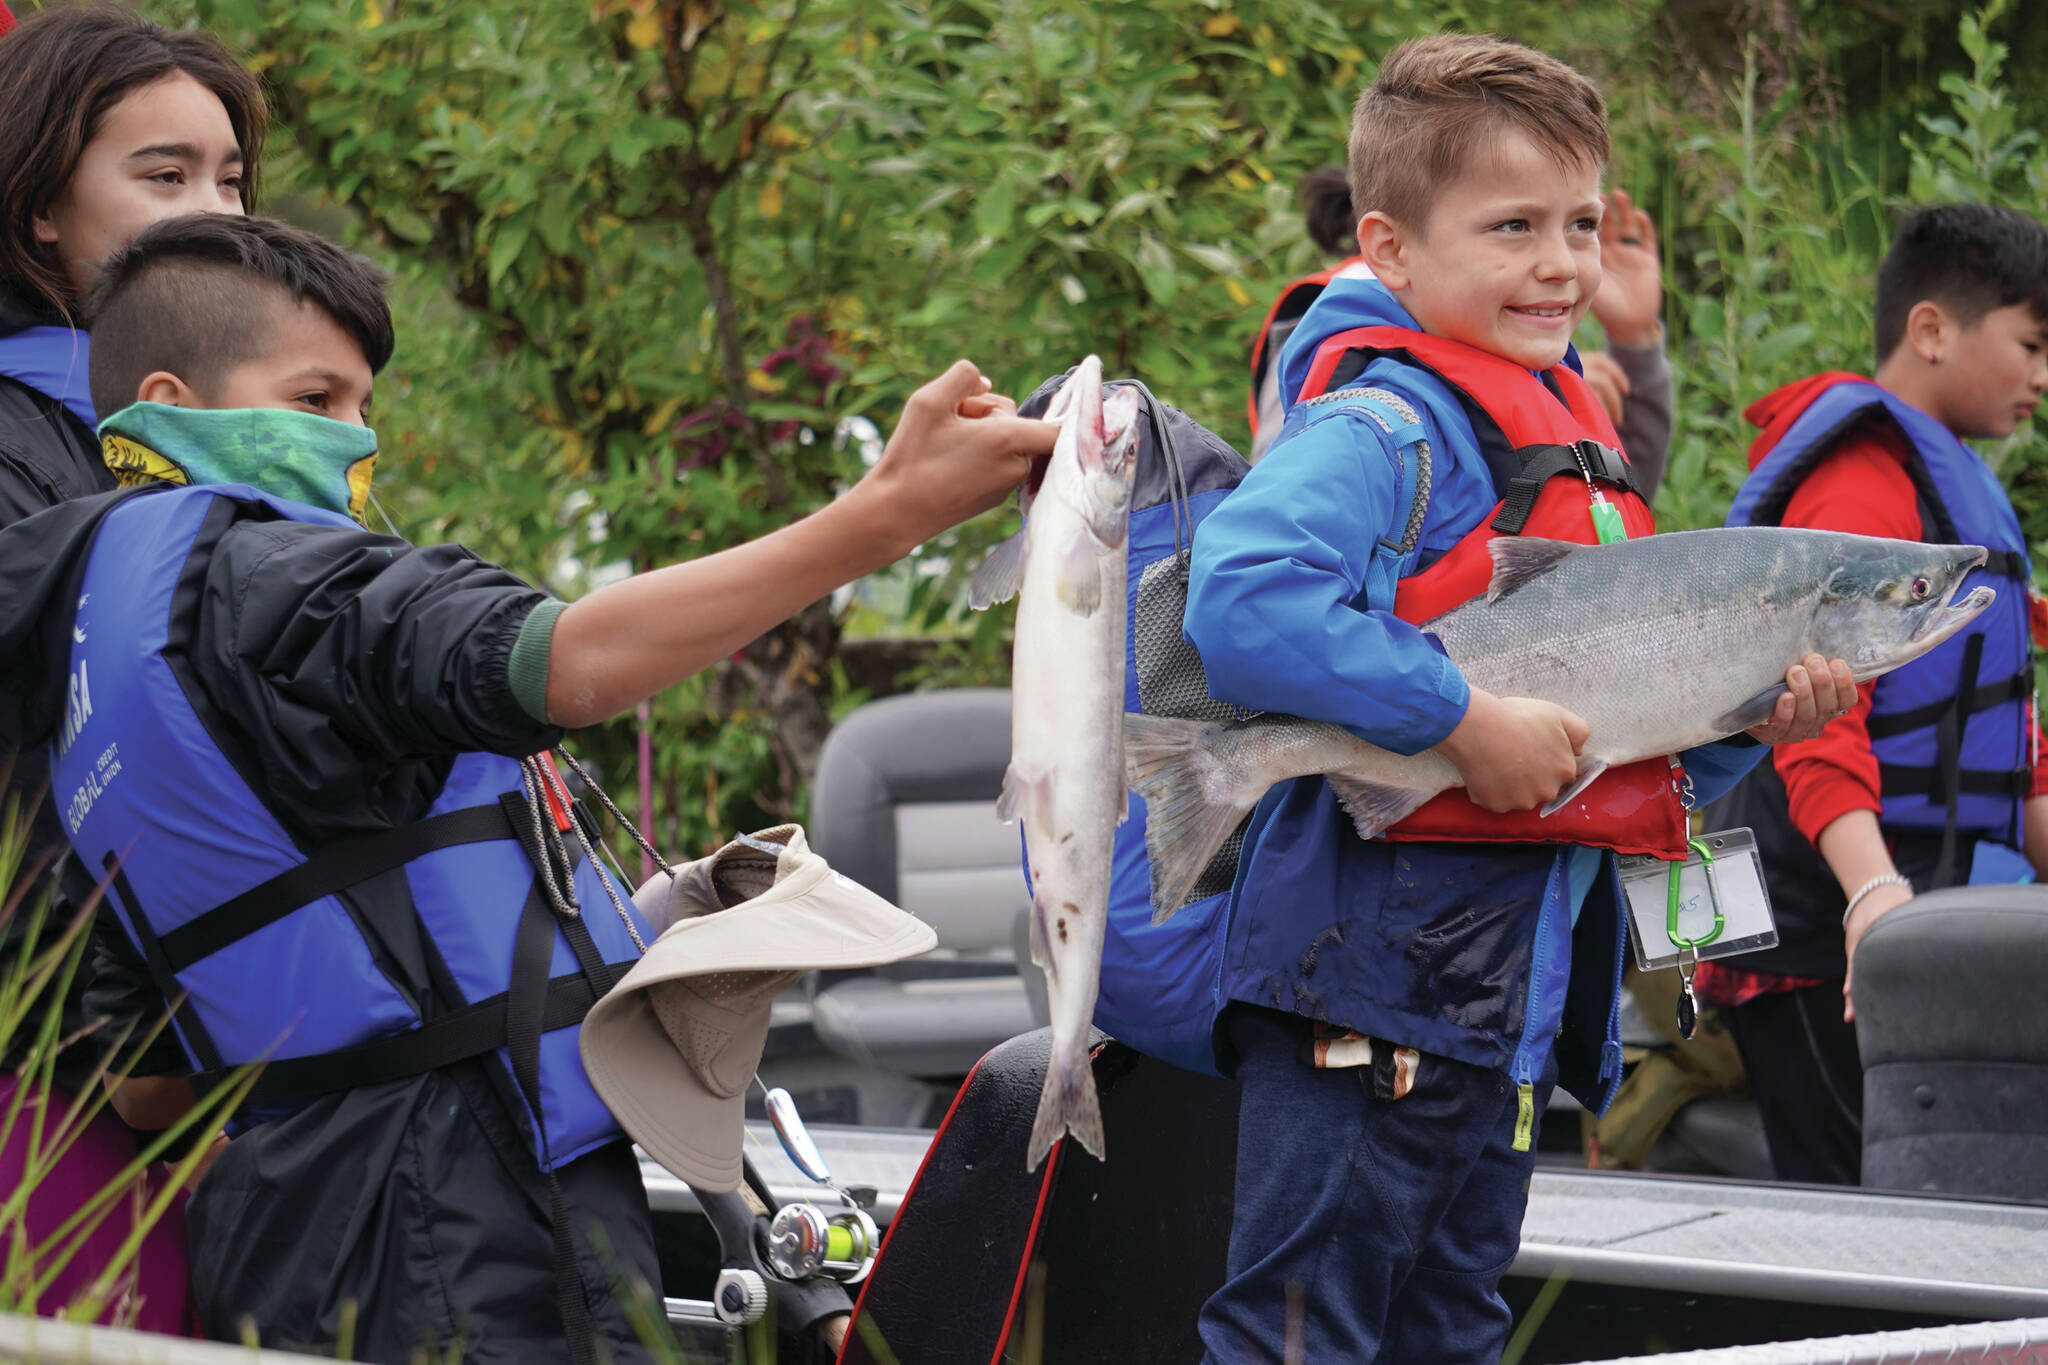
1589 772
1041 953
1024 798
1172 765
1518 560
1375 809
1067 1104
999 576
1755 711
1079 579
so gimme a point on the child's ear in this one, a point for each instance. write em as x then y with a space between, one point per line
164 387
1930 328
1384 245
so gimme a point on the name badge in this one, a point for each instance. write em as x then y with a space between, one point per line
1715 906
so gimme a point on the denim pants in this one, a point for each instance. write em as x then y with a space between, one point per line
1366 1229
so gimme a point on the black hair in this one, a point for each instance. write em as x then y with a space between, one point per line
1326 205
194 297
1972 259
60 74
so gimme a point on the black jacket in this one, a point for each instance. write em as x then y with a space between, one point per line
47 456
348 670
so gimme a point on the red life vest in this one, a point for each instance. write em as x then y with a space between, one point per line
1287 309
1532 433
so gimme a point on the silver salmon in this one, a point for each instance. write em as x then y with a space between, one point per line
1658 644
1066 774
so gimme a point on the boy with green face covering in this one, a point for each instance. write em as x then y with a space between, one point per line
302 754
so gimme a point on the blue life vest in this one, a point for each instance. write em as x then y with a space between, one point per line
270 942
1950 730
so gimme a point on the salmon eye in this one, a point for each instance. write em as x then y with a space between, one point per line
1921 587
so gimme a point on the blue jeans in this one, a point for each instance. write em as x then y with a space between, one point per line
1366 1229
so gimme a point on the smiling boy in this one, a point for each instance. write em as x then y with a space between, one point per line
1398 1010
1943 753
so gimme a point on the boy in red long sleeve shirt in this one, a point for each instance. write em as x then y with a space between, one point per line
1894 797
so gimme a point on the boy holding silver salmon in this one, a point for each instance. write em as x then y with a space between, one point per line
1398 1010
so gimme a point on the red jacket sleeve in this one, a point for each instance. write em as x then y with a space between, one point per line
1862 488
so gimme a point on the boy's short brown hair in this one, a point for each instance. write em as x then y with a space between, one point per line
1414 129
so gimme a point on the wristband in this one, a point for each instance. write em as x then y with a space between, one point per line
1888 879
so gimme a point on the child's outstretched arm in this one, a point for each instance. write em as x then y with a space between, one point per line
957 451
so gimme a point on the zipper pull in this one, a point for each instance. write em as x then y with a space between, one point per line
1607 524
1525 1116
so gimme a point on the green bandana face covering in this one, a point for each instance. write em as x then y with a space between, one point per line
295 455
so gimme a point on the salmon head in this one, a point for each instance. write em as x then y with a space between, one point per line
1886 602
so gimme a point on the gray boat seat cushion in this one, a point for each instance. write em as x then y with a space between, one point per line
904 803
1955 1043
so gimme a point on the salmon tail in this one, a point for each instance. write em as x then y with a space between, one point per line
1192 802
1067 1104
1373 808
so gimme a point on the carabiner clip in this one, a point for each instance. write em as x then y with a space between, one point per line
1698 846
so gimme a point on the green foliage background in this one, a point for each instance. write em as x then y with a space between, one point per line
650 254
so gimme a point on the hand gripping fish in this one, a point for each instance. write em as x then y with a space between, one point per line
1066 776
1658 644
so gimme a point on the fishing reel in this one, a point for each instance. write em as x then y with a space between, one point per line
804 1239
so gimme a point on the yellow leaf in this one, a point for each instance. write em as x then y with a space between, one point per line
1351 52
661 416
1236 176
373 15
771 200
782 135
1346 73
575 453
1277 64
1260 171
645 30
1237 293
763 381
1221 26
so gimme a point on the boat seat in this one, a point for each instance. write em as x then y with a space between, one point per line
904 803
1955 1044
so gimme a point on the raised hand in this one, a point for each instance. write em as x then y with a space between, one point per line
1631 295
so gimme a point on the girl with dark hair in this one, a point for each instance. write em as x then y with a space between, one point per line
112 123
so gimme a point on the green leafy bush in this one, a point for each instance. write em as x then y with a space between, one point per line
606 219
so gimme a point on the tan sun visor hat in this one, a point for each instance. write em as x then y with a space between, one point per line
672 1047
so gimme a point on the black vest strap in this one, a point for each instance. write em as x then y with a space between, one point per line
334 868
1897 779
525 1002
1988 697
1542 463
2009 564
470 1031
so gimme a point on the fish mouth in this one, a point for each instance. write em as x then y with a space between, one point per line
1947 620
